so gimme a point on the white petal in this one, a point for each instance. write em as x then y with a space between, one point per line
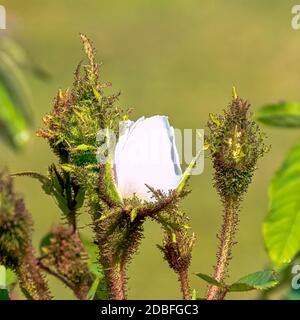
146 154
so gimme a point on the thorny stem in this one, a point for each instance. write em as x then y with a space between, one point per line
184 283
226 243
31 279
116 279
80 293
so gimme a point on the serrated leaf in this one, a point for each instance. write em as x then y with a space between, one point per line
8 278
283 114
210 280
11 278
45 181
281 228
261 280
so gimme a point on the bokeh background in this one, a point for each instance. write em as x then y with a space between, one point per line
178 58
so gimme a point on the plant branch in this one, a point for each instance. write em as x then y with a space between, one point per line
31 279
115 277
184 283
226 243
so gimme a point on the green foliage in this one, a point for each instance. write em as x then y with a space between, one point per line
210 280
293 295
261 280
282 224
68 195
10 282
108 187
194 295
187 173
283 114
80 113
93 289
14 102
15 96
98 290
4 295
15 131
93 254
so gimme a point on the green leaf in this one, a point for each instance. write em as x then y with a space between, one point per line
210 280
93 288
83 147
4 295
111 189
194 294
46 183
261 280
68 167
11 278
8 280
293 295
80 198
45 242
133 214
16 84
282 225
22 58
93 254
14 127
98 290
283 114
187 172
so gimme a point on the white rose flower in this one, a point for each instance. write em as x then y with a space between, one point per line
146 154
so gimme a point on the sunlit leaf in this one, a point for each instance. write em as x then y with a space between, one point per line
188 172
210 280
283 114
282 224
261 280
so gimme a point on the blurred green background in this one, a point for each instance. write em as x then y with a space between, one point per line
178 58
